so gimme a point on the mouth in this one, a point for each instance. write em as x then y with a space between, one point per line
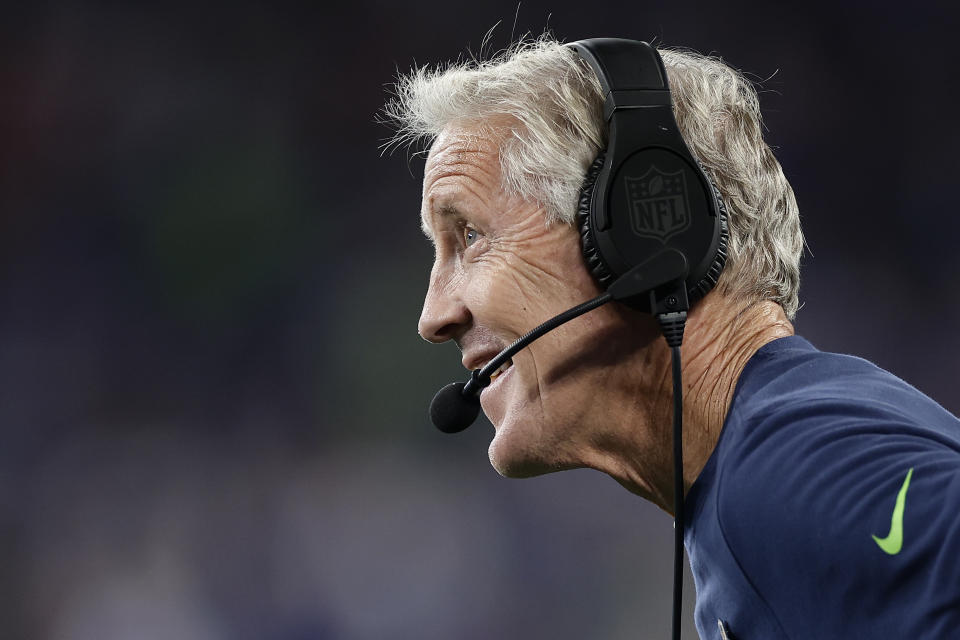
494 398
496 374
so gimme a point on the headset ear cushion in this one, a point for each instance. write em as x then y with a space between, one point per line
710 279
595 263
601 271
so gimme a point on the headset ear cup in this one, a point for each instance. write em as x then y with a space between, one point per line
595 263
598 267
710 279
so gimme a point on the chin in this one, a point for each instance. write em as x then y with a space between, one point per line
513 457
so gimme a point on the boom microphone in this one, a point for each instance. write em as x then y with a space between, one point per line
456 406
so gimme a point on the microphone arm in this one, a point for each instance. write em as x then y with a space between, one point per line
456 406
480 378
664 267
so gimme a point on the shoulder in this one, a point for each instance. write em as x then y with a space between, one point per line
820 448
792 395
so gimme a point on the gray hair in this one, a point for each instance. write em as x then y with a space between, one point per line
547 104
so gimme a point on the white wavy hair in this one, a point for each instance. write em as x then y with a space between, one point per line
552 101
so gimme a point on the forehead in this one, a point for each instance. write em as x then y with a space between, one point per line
462 171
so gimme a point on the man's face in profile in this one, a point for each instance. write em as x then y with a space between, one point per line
500 270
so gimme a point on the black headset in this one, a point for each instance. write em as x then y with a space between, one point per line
653 229
645 199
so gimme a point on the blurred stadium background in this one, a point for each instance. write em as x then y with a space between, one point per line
213 416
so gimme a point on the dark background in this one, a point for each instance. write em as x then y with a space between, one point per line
212 394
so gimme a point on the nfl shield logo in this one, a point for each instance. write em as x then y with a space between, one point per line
658 204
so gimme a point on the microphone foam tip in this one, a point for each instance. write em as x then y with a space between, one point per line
451 411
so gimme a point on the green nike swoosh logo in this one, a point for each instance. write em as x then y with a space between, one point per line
894 540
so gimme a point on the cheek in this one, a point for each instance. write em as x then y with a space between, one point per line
520 285
500 299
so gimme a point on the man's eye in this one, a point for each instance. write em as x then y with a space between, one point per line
470 235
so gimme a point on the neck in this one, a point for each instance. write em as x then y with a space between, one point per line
720 337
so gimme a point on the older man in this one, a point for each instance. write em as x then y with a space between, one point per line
821 492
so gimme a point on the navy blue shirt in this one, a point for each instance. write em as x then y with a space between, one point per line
830 507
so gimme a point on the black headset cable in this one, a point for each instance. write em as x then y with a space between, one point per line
673 325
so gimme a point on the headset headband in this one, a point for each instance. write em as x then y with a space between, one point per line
630 72
646 197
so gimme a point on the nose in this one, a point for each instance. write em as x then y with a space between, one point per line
444 316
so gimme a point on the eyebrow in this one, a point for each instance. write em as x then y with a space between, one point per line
444 211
